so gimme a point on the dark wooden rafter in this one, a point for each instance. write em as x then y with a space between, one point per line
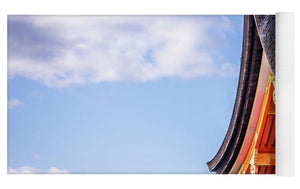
249 72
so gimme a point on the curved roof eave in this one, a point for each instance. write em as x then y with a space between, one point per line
249 72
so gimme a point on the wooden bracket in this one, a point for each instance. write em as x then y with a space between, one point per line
262 159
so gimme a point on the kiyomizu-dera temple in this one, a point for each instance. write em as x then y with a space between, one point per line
249 144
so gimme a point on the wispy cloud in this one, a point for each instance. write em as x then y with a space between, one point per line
14 102
32 170
54 170
59 51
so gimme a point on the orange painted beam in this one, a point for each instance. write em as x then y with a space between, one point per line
272 108
261 132
255 114
264 159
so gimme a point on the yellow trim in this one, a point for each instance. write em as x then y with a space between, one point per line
264 110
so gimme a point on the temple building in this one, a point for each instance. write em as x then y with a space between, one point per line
249 144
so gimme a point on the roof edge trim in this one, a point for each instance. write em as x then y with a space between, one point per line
249 71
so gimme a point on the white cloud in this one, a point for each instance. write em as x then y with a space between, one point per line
32 170
59 51
54 170
22 170
12 103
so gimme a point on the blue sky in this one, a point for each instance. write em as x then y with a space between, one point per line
120 94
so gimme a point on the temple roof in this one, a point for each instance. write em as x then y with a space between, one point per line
256 37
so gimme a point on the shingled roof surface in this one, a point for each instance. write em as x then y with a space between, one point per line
266 30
